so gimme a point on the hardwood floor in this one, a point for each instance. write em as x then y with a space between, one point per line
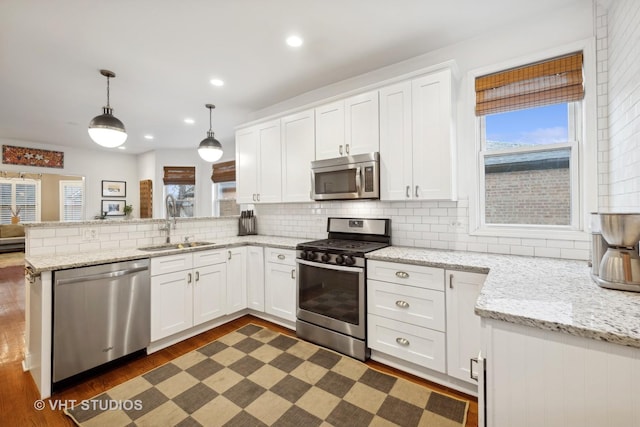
18 392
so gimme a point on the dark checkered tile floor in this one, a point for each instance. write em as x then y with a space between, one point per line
257 377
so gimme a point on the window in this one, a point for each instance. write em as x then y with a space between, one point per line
19 197
223 175
180 182
529 121
71 200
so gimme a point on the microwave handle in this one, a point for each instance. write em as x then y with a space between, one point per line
358 180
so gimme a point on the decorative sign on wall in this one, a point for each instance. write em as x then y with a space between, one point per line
12 155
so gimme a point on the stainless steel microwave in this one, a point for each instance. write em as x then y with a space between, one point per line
346 178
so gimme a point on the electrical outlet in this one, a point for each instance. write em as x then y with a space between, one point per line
89 234
458 226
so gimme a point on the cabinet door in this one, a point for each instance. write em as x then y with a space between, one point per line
280 290
433 144
361 124
298 150
463 325
255 278
236 280
396 156
246 165
171 304
330 136
209 292
270 170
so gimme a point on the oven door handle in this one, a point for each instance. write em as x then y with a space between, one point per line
330 266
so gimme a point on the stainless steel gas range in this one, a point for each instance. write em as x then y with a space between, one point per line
331 284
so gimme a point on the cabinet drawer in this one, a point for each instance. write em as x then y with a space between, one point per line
421 346
406 274
280 256
204 258
171 263
418 306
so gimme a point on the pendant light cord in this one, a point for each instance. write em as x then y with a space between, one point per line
108 106
210 127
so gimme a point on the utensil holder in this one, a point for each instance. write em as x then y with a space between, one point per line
247 226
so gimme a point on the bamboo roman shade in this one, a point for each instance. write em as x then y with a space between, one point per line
179 175
224 172
554 81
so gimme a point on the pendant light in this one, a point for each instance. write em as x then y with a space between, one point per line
106 129
210 148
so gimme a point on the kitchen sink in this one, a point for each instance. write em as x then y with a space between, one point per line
168 246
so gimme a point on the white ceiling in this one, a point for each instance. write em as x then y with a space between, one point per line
164 52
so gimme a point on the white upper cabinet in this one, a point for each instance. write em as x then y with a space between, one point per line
417 147
347 127
298 151
258 163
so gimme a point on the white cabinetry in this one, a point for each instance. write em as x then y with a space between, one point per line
280 283
298 151
348 126
406 312
258 163
463 325
236 279
255 278
417 146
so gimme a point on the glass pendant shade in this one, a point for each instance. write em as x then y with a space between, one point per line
107 130
210 148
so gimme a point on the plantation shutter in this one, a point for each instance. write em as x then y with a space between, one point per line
72 200
179 175
224 172
5 202
27 202
557 80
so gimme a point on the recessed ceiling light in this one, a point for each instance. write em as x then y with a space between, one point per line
122 147
148 137
189 121
294 41
217 82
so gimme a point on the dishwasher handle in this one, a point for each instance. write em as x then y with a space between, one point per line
109 275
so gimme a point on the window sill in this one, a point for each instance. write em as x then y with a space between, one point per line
548 233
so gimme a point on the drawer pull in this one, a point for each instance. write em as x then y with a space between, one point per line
402 274
471 362
402 341
402 304
281 257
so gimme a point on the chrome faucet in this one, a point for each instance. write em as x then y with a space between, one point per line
170 204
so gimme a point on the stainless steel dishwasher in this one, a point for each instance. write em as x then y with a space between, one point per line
100 313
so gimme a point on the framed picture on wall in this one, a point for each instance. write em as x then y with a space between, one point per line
114 188
113 207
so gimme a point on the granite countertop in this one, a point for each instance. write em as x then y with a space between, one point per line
552 294
41 263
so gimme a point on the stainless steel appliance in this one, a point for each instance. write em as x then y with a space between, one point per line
347 177
100 313
331 284
614 251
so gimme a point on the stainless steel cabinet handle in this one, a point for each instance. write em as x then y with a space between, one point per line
281 257
451 281
189 278
340 149
258 196
347 148
254 197
293 273
197 276
408 189
471 362
403 341
402 274
229 256
417 190
402 304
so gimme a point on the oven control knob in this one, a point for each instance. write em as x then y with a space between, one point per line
348 260
339 259
325 257
311 255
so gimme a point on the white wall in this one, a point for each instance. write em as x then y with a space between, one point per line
623 150
446 224
94 165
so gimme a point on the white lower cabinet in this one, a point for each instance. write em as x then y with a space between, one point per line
463 325
255 278
406 312
280 283
193 288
